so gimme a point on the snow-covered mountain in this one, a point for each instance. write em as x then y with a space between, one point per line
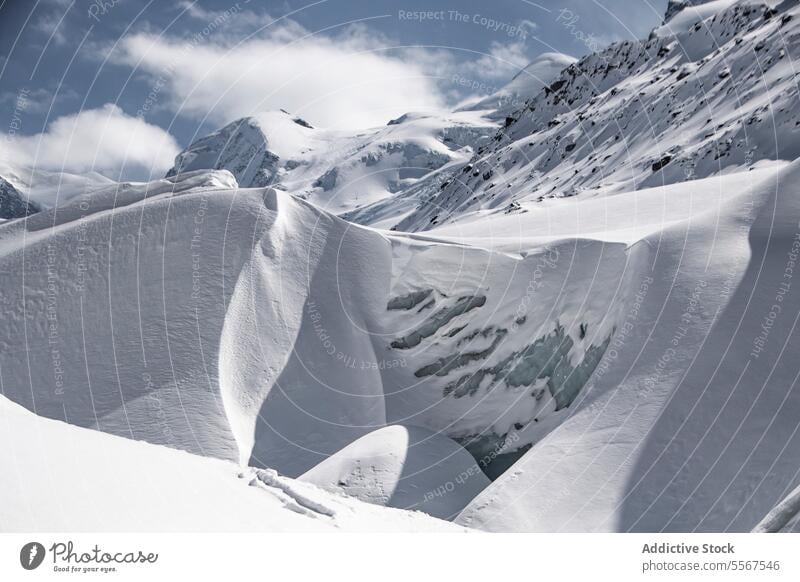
531 80
337 170
373 176
711 91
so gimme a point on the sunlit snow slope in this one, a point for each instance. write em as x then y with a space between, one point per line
58 477
713 90
338 170
248 325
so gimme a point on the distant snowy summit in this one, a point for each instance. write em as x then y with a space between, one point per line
387 169
25 190
337 170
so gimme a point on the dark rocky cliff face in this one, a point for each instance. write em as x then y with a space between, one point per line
12 203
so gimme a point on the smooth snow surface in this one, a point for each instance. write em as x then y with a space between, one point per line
58 477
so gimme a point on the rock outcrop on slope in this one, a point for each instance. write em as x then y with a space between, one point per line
12 203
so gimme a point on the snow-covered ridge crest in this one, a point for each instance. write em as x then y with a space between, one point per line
539 73
676 6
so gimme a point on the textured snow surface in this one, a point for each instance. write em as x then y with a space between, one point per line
248 325
784 517
405 467
58 477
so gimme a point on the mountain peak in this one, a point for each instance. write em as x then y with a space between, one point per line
675 6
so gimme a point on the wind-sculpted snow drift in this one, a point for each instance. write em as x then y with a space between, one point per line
61 478
264 331
411 468
246 325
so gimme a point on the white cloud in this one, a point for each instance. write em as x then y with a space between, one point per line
51 24
104 140
502 62
38 100
344 81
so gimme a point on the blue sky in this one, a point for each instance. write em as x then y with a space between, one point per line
170 71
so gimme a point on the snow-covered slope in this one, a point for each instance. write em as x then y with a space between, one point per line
248 325
405 467
498 106
373 177
601 311
688 423
784 517
525 85
681 15
58 477
339 171
715 96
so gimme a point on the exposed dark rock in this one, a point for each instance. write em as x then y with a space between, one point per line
13 204
409 300
661 163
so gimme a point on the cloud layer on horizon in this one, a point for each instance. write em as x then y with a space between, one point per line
352 81
104 140
352 76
